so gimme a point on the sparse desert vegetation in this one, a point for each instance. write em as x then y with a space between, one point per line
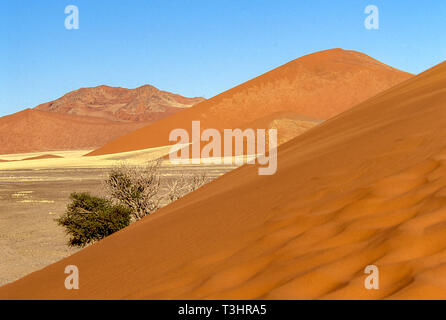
133 192
137 187
90 218
31 199
144 188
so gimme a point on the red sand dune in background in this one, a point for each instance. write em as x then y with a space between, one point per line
34 130
366 187
319 85
87 118
145 103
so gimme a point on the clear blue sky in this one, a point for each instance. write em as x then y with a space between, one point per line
197 47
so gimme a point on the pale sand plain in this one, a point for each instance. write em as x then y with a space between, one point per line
33 193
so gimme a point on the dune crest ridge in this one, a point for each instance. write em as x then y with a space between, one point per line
318 86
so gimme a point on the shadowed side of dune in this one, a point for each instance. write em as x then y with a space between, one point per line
41 157
366 187
44 156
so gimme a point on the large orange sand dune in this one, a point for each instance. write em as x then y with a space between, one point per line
319 86
34 130
367 187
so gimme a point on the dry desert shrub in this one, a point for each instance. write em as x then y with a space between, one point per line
140 187
134 191
179 187
137 187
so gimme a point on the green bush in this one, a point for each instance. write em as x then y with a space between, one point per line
90 219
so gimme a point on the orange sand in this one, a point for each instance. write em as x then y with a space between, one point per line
366 187
34 130
319 86
87 118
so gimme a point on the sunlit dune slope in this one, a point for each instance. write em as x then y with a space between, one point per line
367 187
318 86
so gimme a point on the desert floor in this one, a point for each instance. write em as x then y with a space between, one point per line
30 200
34 193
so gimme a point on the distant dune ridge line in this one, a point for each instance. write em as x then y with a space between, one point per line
145 103
317 86
365 187
87 118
